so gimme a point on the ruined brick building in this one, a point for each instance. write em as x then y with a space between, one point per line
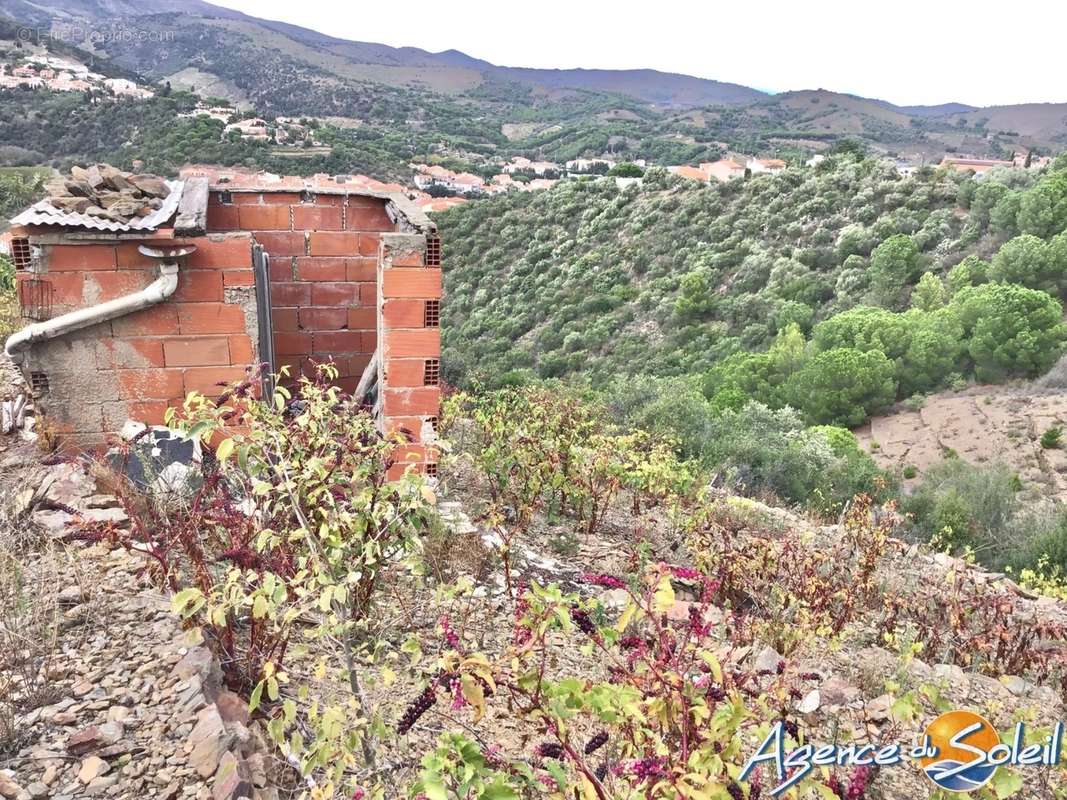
127 318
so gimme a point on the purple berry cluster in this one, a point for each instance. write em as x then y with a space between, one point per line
594 744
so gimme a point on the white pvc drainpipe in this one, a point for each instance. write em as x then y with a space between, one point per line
153 294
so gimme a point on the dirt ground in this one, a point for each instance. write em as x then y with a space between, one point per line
983 424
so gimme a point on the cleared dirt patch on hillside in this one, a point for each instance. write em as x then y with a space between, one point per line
983 424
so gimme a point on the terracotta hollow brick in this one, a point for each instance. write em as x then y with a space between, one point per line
282 243
362 318
334 294
337 341
359 217
264 217
317 218
413 343
161 320
99 287
368 244
405 372
149 384
199 286
67 288
323 319
80 257
422 282
199 351
210 318
362 269
333 243
212 381
222 218
129 353
285 319
216 251
291 294
398 313
292 343
411 402
310 268
238 277
241 351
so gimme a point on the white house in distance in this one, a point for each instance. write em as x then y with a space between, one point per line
692 173
254 128
521 164
128 88
723 170
588 164
769 165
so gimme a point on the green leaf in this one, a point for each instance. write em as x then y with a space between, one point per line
257 695
259 607
185 598
498 790
1006 783
433 787
224 450
664 598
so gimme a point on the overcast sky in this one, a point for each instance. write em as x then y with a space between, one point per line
909 52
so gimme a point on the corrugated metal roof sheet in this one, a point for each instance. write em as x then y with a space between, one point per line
44 213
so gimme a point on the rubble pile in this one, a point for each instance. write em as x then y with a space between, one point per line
102 190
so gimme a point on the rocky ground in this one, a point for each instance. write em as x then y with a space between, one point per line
103 693
108 697
983 424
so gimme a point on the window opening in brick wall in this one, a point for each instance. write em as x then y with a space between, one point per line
38 383
431 373
433 423
21 254
35 298
226 198
433 251
431 314
431 470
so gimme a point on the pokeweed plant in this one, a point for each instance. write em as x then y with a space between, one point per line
783 587
670 712
282 549
314 474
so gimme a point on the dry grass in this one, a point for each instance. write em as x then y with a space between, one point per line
10 318
30 622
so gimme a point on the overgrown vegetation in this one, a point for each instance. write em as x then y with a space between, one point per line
651 696
836 290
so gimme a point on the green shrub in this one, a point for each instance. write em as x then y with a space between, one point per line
843 386
1050 439
963 505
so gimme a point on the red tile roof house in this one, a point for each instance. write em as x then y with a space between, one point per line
229 274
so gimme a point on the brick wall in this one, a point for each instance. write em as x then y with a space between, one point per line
409 295
323 250
138 365
344 283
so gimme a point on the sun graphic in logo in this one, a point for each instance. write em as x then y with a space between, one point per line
962 741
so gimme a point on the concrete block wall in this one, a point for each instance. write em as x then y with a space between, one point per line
138 365
323 250
409 296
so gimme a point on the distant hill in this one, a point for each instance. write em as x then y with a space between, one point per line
478 108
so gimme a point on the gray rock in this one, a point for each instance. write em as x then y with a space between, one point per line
767 660
208 741
232 779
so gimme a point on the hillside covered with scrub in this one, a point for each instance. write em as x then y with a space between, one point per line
752 323
837 289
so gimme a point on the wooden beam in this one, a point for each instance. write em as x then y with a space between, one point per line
192 208
367 379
